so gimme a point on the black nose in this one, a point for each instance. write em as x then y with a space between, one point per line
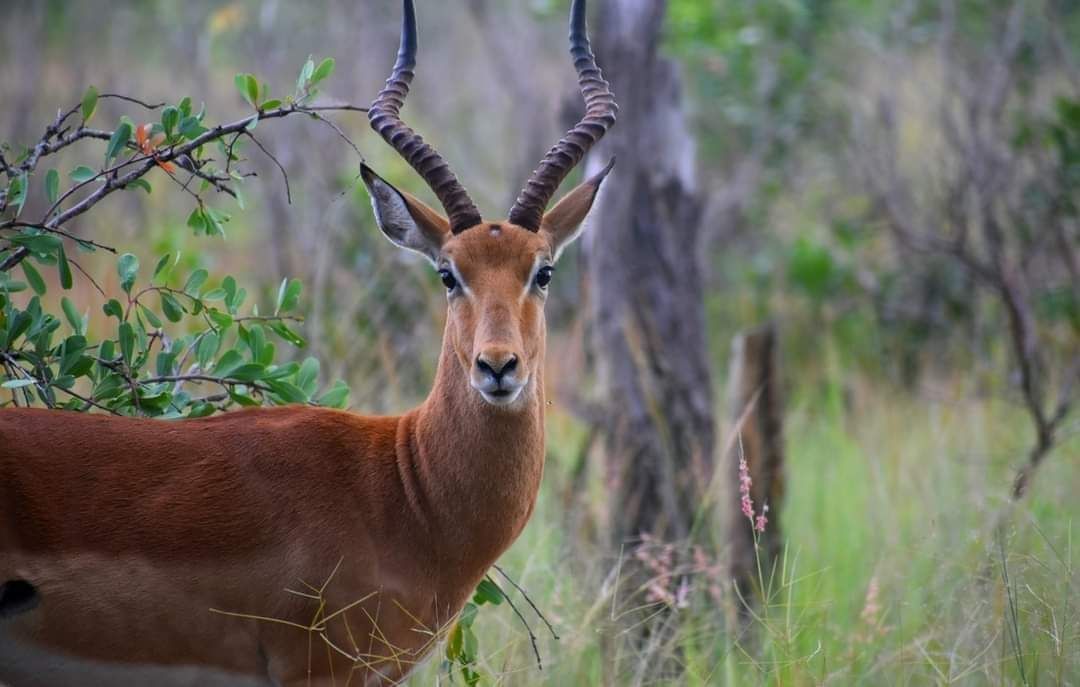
496 366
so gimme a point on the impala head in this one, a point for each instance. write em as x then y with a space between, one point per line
496 273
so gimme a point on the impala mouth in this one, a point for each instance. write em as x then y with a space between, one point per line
499 395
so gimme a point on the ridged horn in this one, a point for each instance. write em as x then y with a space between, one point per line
384 117
600 109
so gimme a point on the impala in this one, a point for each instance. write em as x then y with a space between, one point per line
299 545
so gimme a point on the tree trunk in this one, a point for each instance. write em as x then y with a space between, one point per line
756 410
646 300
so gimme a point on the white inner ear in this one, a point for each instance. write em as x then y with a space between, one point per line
395 220
560 244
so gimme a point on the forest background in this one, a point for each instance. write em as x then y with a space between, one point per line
890 187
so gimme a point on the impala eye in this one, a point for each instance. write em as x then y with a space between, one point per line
543 276
448 279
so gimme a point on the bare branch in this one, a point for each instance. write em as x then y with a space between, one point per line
284 174
128 98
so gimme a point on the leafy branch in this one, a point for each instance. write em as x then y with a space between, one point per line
179 137
173 347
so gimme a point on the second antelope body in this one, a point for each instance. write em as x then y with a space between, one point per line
138 552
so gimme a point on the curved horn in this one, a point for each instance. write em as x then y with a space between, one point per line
383 115
600 109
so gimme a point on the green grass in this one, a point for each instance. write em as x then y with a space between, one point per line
884 489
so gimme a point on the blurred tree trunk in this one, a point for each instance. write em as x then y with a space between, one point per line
755 406
646 290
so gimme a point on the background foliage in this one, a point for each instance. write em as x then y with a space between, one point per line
906 415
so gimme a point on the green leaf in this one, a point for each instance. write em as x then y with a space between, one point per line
89 103
453 643
82 173
325 69
288 335
487 592
197 221
71 353
72 315
17 383
248 87
469 651
195 281
127 341
143 184
16 193
64 268
288 295
52 185
468 615
336 397
223 320
207 349
228 362
128 268
283 371
201 410
118 141
114 309
286 392
171 307
243 399
39 244
110 386
214 221
308 376
150 316
270 105
162 263
305 73
191 128
170 117
33 277
165 362
248 372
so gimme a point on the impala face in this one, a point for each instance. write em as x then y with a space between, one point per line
496 276
496 273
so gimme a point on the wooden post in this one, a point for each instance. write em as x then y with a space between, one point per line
756 411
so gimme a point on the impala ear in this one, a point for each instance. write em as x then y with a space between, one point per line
562 224
406 221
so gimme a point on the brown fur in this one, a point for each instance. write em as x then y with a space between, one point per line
132 530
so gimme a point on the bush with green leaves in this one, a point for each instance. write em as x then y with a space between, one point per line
178 343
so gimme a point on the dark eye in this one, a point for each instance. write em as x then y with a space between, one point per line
448 279
543 277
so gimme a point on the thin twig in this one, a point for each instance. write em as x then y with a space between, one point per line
91 279
129 99
13 224
340 133
530 601
532 635
284 174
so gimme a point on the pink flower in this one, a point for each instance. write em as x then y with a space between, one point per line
757 521
762 520
744 488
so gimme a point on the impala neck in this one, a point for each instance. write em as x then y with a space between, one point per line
481 464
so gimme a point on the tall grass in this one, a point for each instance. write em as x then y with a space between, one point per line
904 564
